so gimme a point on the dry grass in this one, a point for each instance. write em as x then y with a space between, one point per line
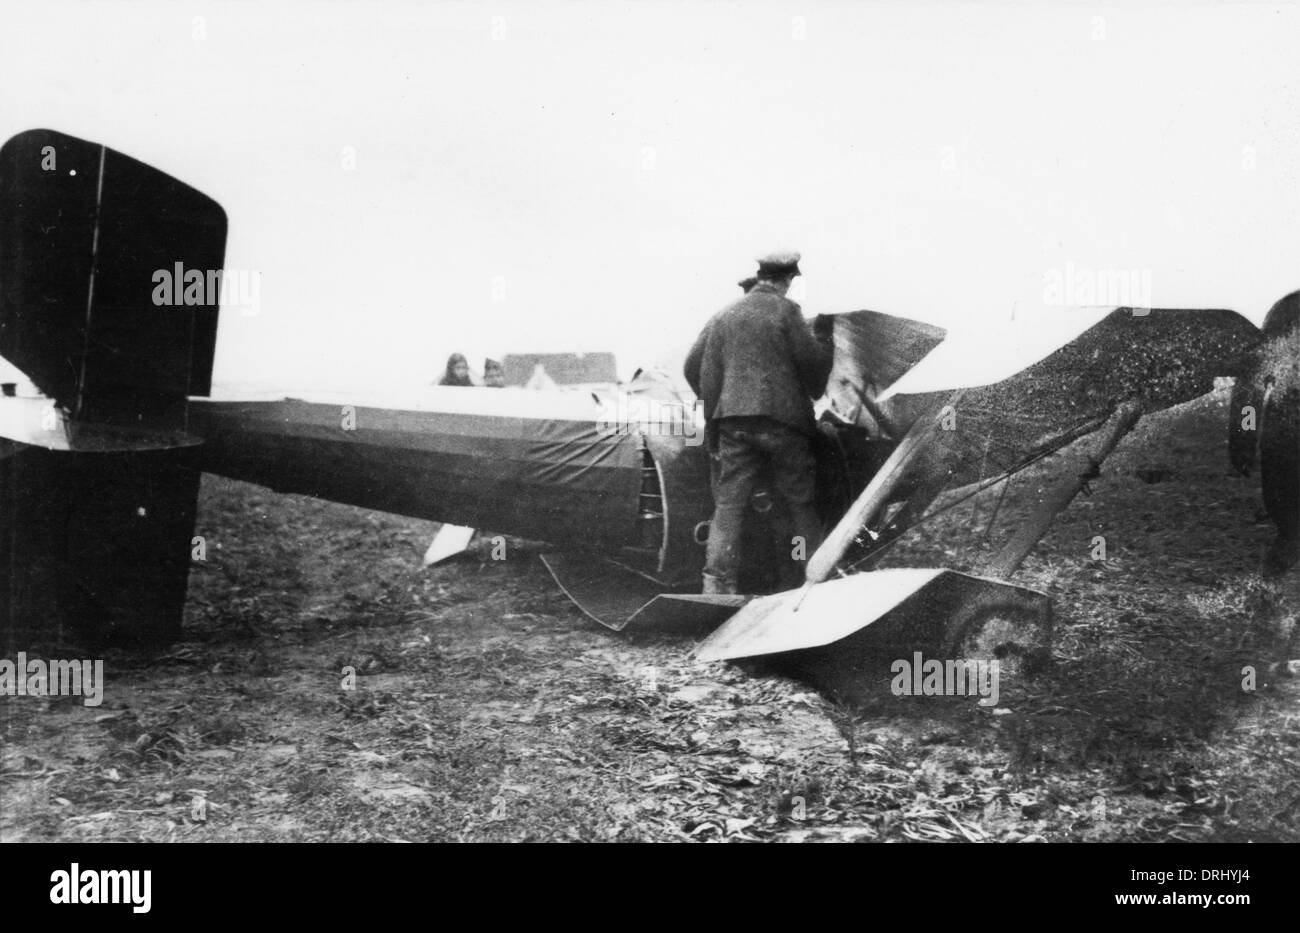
486 708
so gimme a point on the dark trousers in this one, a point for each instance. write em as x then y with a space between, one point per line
747 449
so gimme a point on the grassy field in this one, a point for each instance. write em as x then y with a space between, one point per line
485 707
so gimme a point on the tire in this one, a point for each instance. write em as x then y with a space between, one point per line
1016 632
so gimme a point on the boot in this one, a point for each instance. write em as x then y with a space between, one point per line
715 586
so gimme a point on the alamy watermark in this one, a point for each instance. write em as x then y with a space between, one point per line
231 288
39 678
633 414
80 885
1081 287
920 677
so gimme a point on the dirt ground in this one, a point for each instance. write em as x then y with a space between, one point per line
485 707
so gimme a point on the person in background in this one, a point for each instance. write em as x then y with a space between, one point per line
757 369
457 373
494 375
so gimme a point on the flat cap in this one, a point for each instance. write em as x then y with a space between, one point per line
779 264
748 283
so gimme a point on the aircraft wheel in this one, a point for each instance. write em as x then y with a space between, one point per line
1279 430
1280 473
1016 632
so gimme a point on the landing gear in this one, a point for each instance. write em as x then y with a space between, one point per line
1014 631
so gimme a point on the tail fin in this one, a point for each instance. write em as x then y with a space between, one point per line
87 237
97 504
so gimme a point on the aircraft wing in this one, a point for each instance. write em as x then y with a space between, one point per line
1028 392
1145 346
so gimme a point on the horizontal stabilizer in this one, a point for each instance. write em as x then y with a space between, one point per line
37 422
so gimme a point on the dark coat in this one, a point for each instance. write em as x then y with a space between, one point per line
757 357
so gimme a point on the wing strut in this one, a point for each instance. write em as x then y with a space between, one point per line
874 498
1075 476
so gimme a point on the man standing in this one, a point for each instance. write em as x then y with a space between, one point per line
757 369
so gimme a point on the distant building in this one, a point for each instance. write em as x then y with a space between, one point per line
561 368
539 381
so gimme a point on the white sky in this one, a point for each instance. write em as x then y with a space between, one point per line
616 167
